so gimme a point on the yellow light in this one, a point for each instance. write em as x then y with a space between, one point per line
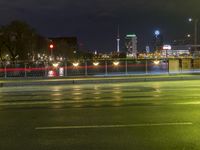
116 63
95 63
76 64
55 65
156 62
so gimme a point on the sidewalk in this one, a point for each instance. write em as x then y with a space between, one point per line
13 82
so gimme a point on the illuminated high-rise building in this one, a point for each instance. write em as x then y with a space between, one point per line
131 44
158 41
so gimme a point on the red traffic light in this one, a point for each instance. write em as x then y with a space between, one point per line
51 46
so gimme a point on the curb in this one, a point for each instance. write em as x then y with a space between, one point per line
47 82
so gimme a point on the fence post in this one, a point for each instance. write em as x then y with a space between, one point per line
146 66
126 65
106 68
192 65
65 68
86 67
169 66
5 70
46 70
25 73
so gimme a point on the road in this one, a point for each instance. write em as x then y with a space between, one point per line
141 116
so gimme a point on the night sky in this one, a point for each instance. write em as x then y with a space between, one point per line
95 22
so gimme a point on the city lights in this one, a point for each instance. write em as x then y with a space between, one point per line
76 64
95 63
167 47
156 62
55 65
116 63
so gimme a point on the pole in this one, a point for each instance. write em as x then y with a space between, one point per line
25 73
195 35
126 63
86 71
47 69
168 66
106 68
65 68
52 53
146 67
118 40
5 71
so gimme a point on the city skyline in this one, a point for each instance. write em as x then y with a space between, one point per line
95 22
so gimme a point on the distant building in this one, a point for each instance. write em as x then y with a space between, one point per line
180 50
158 42
65 47
131 45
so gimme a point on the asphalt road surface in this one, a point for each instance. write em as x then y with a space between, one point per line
140 116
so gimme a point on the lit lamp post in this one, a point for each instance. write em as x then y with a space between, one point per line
51 47
196 21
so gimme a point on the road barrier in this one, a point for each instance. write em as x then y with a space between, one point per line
97 67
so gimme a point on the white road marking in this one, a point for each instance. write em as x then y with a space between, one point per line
114 126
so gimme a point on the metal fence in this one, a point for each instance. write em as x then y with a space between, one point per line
94 68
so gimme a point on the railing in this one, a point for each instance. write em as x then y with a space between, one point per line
95 68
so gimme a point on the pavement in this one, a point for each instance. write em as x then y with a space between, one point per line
10 82
113 116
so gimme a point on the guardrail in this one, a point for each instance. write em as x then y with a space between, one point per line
92 68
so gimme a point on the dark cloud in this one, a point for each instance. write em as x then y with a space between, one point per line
95 21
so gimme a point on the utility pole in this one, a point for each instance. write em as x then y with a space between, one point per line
196 22
196 34
118 40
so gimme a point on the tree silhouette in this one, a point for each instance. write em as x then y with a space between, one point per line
19 39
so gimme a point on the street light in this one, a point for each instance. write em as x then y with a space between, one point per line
55 65
95 63
189 35
75 64
196 21
51 47
156 62
190 19
116 63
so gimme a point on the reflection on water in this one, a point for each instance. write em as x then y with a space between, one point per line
77 98
157 90
102 95
56 93
97 92
56 89
157 87
79 95
76 93
117 90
